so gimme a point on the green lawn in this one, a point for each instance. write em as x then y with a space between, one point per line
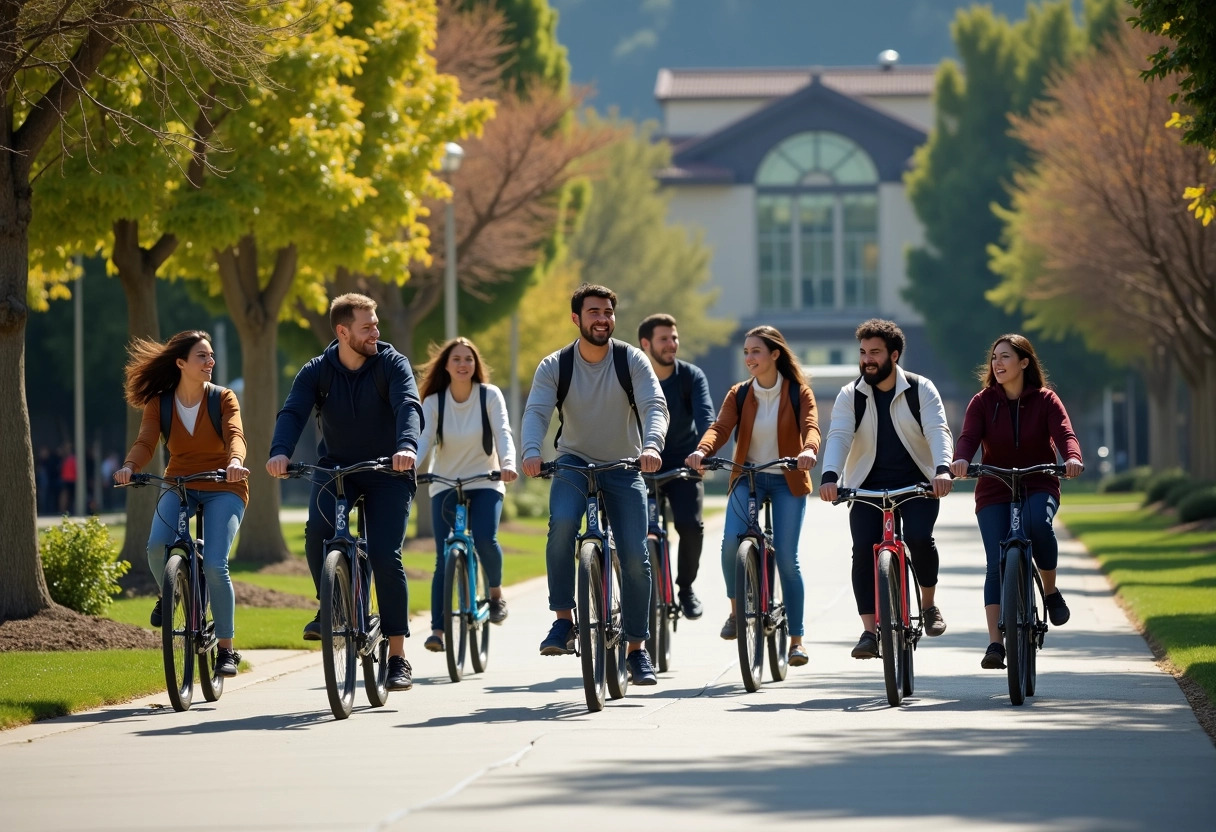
43 685
1167 577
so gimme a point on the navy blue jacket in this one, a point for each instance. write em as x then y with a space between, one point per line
685 426
356 423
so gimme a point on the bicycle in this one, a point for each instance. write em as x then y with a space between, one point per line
186 626
895 587
664 606
599 634
759 605
350 627
1019 621
466 596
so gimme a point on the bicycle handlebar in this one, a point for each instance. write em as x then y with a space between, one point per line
659 479
492 476
880 498
137 480
979 469
715 463
383 464
548 469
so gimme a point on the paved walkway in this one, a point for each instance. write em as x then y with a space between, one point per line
1109 743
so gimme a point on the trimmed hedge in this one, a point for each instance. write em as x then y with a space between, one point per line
1198 505
1160 484
1134 479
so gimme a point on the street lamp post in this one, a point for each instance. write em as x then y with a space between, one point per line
453 154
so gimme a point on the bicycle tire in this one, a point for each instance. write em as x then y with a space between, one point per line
890 625
616 669
659 643
455 610
779 633
1035 644
749 627
375 674
338 649
591 624
211 682
479 633
1017 631
909 641
177 641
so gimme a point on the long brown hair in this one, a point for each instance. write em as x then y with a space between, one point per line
787 364
437 379
1035 375
152 366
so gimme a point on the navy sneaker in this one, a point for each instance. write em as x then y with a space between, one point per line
498 610
994 657
227 661
560 641
641 672
155 616
730 628
1057 610
400 674
690 605
312 630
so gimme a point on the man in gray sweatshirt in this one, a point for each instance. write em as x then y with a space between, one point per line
598 425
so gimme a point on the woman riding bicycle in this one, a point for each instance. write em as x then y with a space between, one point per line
472 437
768 428
177 374
1019 422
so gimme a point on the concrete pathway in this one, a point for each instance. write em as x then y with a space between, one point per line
1109 742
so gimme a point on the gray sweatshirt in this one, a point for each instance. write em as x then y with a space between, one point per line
599 426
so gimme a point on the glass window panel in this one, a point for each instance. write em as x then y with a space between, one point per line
860 232
777 170
815 222
774 237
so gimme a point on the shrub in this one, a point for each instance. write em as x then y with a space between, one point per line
79 562
528 498
1181 490
1198 505
1160 484
1134 479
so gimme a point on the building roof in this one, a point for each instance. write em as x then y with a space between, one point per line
692 84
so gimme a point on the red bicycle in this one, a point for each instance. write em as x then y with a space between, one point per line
895 586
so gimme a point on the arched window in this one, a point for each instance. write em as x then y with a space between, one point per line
817 225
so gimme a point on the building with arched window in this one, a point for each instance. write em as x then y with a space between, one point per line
796 179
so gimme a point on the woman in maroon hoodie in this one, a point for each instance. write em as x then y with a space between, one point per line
1019 422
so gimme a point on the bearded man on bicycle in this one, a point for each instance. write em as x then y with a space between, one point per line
613 408
889 430
368 406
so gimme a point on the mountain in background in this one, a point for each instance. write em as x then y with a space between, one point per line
618 46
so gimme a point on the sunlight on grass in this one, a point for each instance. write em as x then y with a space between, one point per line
43 685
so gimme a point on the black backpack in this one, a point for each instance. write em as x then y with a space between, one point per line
565 371
487 435
795 393
215 409
912 395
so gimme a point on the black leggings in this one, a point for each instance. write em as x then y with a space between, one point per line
915 519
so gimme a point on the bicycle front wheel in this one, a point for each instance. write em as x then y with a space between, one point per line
659 643
1019 627
591 624
338 649
890 624
777 626
208 648
616 670
479 633
911 590
456 609
749 624
177 639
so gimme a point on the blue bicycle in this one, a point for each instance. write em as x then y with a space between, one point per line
466 596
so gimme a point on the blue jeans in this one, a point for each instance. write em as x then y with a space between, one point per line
625 498
485 509
222 513
788 512
1038 514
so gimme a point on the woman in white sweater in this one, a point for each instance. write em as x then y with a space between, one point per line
473 437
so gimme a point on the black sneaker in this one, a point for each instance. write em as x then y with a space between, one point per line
867 646
729 631
155 616
400 674
1057 610
690 605
227 661
560 641
935 625
312 630
498 610
641 672
994 658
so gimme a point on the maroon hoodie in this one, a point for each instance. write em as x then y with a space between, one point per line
1043 428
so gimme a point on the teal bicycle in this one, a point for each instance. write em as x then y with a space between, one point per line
466 597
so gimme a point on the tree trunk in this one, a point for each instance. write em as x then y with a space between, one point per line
1161 388
255 313
23 590
1203 417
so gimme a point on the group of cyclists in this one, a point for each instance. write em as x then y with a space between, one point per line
614 401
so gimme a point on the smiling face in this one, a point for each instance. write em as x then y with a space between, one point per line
663 346
362 334
597 321
760 361
198 365
876 362
1007 366
461 364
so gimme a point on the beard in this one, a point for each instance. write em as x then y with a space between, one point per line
880 374
365 347
595 338
661 359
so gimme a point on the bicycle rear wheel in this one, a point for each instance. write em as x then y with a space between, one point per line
911 590
659 643
338 650
375 674
779 632
479 633
749 626
211 682
591 624
177 640
890 625
1018 626
456 607
617 671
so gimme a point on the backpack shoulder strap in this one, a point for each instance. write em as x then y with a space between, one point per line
913 397
215 408
380 377
325 380
859 405
740 398
565 371
794 390
442 397
166 417
620 361
487 435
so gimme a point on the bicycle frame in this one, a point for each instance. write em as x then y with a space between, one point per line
460 534
657 524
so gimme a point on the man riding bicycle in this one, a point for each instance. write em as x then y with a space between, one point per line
889 430
602 421
367 400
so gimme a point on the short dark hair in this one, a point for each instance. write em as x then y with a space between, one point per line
652 322
590 290
342 310
888 331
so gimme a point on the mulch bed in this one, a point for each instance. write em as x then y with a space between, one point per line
59 628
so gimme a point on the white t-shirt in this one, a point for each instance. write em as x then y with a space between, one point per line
763 447
462 454
188 415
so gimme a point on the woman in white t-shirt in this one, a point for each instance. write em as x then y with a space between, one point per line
457 374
